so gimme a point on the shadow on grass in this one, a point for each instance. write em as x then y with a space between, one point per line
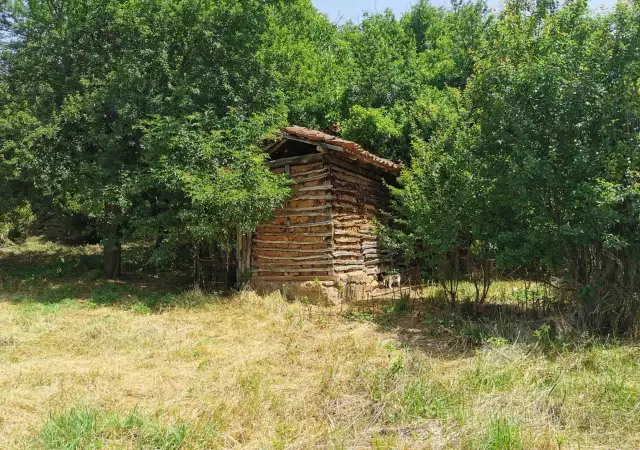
431 325
50 273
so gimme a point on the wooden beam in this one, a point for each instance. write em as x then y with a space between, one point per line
303 208
276 146
320 269
288 242
301 180
297 225
310 197
292 266
324 234
325 187
295 160
343 253
298 250
290 258
310 172
301 214
294 278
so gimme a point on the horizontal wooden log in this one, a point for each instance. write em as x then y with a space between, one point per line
294 250
343 253
319 269
310 197
292 258
294 278
297 233
322 187
290 242
347 268
352 263
294 265
321 176
303 208
302 214
295 160
347 233
309 172
297 225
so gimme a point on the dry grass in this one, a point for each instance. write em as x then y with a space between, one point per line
252 372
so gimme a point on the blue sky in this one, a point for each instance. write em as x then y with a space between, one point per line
352 9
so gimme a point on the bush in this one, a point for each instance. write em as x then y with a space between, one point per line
14 224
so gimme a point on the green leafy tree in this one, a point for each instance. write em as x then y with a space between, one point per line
205 180
555 96
93 72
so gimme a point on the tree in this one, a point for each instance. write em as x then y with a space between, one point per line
205 180
93 72
555 97
440 228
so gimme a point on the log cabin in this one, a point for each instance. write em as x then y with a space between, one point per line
321 243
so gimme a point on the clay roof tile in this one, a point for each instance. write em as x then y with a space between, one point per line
350 147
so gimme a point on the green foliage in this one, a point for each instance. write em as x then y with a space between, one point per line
100 75
376 128
502 434
94 429
15 222
558 149
207 176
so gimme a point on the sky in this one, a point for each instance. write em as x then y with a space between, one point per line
342 10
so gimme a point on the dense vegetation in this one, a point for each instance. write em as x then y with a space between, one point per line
519 130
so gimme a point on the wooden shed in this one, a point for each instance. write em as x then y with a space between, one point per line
321 242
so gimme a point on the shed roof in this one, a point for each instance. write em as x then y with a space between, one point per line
350 147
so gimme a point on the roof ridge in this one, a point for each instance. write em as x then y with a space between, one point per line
349 146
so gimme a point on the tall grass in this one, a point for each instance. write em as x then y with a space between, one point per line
129 365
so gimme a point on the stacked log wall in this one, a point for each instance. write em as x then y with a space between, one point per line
359 197
297 245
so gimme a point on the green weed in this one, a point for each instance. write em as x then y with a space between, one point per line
95 429
501 434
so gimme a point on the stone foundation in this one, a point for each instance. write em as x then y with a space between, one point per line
347 288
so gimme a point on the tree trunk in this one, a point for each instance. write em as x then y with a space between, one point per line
112 247
243 258
203 275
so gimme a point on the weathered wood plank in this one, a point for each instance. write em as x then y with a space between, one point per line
295 160
342 253
301 214
294 278
297 225
289 242
319 269
296 250
296 233
290 258
311 197
324 187
310 172
352 263
303 208
293 266
346 268
301 180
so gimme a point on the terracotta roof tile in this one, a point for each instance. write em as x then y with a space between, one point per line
348 146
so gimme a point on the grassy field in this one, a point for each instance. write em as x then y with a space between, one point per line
86 363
